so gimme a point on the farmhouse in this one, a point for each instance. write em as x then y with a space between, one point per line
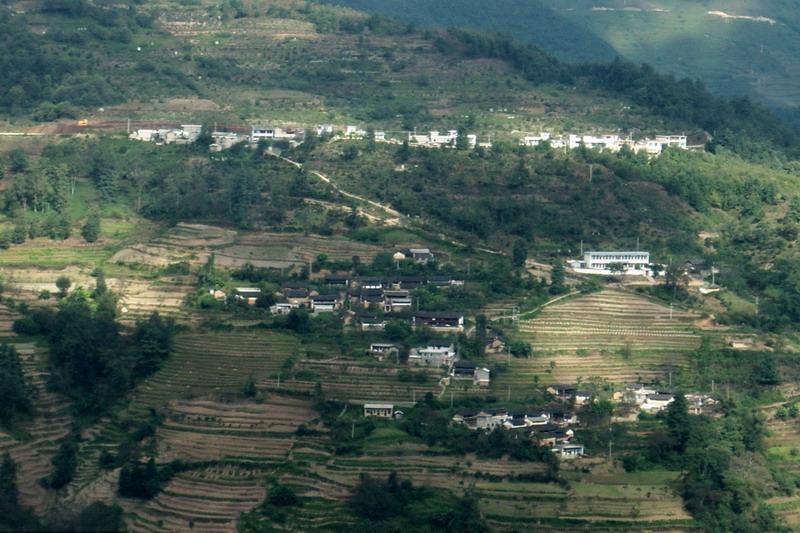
562 391
370 323
186 134
396 300
296 297
258 133
747 343
383 350
439 321
550 434
325 303
444 281
382 410
657 402
354 132
436 353
418 255
248 295
482 377
700 403
606 263
568 451
487 419
369 297
324 129
281 308
463 369
222 140
407 282
370 283
338 280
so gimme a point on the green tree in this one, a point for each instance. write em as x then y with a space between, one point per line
519 253
678 422
557 278
20 233
98 517
283 496
100 286
616 268
13 517
90 231
462 142
14 391
63 283
65 462
153 340
18 160
138 480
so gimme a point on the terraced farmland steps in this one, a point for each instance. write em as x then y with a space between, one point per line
612 334
51 422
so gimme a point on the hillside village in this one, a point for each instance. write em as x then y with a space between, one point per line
223 140
282 265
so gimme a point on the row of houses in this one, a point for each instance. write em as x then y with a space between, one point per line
654 399
438 321
648 398
186 134
547 426
611 142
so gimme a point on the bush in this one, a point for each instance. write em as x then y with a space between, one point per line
90 231
282 496
139 481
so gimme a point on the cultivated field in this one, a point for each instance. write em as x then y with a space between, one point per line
193 243
595 491
783 451
212 363
611 334
208 500
36 441
350 380
203 430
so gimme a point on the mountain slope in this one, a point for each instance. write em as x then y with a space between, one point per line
528 20
737 48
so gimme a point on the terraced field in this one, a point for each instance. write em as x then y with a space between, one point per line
208 500
214 362
783 451
140 298
351 380
606 493
612 334
203 430
193 243
51 422
46 253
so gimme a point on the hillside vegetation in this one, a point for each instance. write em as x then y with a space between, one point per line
737 49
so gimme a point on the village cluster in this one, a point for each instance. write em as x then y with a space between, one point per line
553 425
222 140
610 142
